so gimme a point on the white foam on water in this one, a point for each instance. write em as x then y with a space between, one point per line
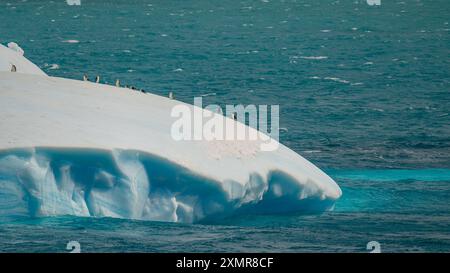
314 57
71 41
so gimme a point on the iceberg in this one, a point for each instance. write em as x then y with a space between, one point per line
70 147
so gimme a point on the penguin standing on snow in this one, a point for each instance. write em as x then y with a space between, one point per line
171 95
97 79
85 78
13 68
117 83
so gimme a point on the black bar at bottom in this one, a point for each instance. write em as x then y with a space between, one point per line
228 262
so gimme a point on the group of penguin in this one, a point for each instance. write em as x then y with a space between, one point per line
171 96
97 80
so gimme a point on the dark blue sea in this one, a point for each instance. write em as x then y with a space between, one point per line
364 93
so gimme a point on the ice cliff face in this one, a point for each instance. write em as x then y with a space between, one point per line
137 185
79 148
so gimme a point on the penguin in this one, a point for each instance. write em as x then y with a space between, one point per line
97 79
234 116
13 68
85 78
117 83
171 95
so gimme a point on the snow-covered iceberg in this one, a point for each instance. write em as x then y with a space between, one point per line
70 147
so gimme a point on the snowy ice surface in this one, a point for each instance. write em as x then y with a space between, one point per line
13 55
70 147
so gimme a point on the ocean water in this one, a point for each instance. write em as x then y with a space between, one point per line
363 91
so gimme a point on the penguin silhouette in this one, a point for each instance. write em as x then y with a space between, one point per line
97 79
13 68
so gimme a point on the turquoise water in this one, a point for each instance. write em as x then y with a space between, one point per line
363 93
